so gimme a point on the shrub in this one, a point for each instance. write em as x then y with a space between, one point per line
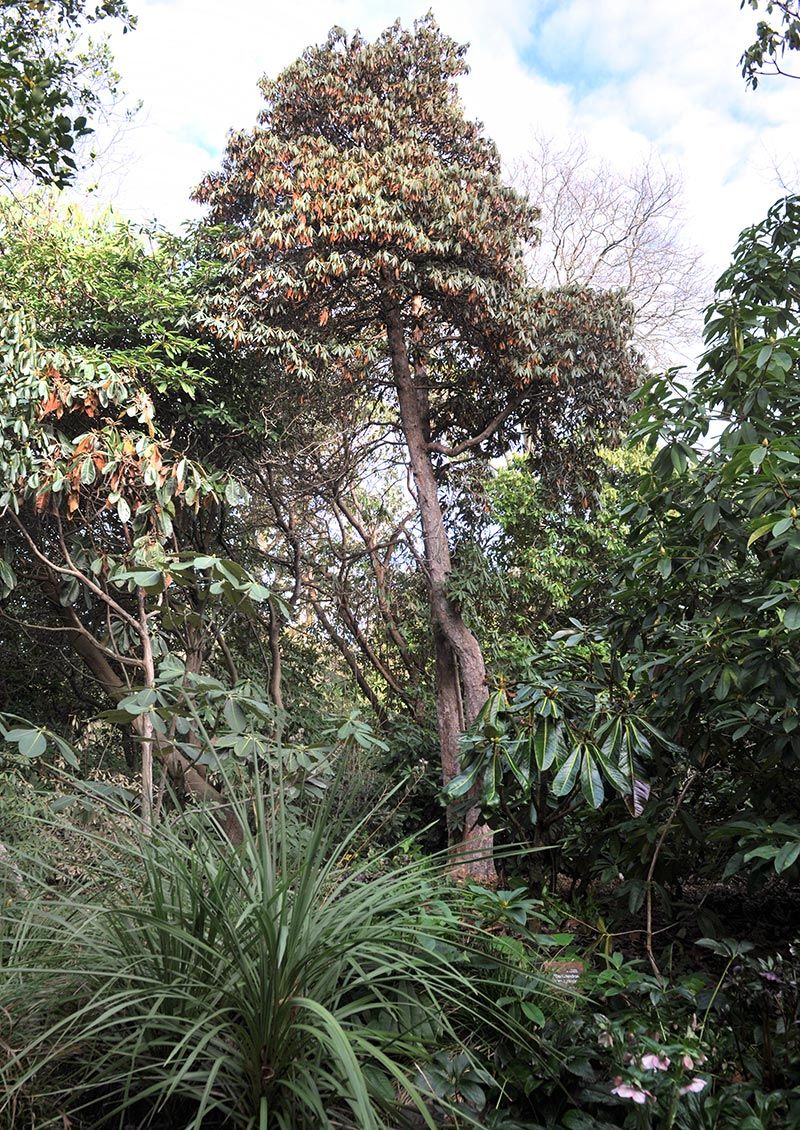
281 984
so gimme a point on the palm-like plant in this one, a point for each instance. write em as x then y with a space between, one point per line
279 985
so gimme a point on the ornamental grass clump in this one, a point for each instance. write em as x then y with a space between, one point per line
277 984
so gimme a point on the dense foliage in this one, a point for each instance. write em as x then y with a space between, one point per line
385 743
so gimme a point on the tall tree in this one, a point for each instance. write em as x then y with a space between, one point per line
368 237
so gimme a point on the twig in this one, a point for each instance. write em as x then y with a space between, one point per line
649 881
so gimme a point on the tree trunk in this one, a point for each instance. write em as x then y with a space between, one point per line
276 659
460 670
146 719
179 767
470 842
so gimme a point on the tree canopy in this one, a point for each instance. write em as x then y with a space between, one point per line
363 183
368 239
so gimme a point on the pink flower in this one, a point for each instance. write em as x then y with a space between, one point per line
655 1062
695 1085
688 1062
630 1091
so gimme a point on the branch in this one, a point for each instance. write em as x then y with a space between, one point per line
379 568
349 659
651 870
75 625
487 432
71 571
230 662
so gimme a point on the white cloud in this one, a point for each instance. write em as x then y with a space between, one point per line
666 71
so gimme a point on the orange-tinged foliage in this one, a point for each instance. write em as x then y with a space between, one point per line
365 184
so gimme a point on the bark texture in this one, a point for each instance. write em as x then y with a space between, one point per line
460 670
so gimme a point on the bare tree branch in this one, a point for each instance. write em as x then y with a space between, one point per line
613 228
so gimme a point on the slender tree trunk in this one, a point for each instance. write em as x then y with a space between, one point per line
460 670
149 671
448 707
470 842
276 664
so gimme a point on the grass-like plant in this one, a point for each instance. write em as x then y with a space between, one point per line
281 984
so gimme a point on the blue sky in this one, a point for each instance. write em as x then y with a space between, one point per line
632 76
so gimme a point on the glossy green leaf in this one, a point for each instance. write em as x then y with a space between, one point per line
140 702
791 617
612 773
564 779
591 782
787 856
533 1013
517 755
546 741
461 784
31 743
